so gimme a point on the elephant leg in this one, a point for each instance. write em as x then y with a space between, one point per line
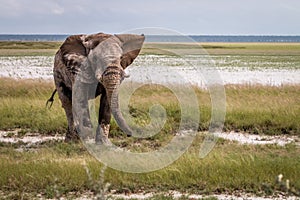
81 109
72 134
66 100
103 121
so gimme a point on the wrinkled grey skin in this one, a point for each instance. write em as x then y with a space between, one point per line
86 66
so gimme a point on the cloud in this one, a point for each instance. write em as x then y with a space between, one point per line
186 16
58 11
29 8
9 8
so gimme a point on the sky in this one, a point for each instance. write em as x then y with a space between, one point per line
192 17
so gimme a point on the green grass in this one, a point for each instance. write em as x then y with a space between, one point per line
12 48
23 105
222 48
254 109
58 168
267 110
29 45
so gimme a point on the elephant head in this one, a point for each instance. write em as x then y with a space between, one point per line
106 58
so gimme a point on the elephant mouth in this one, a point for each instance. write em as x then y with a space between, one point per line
111 80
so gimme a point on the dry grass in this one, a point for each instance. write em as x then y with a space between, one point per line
256 109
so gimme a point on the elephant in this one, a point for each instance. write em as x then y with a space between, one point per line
86 66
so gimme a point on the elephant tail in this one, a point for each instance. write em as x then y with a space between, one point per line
51 99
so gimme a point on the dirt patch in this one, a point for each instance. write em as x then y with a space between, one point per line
178 195
245 138
27 139
169 195
30 139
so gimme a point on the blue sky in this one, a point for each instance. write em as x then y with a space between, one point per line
198 17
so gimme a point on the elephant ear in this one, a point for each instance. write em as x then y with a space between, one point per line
76 48
131 46
73 52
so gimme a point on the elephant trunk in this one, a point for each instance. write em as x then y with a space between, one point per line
111 79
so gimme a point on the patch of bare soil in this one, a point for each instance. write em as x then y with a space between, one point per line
245 138
30 139
239 195
24 140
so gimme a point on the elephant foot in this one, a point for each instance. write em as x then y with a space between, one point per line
86 133
72 137
102 135
84 129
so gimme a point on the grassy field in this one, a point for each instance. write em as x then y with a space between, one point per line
223 48
57 169
254 109
49 48
28 48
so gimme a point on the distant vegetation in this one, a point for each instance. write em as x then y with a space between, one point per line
11 48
